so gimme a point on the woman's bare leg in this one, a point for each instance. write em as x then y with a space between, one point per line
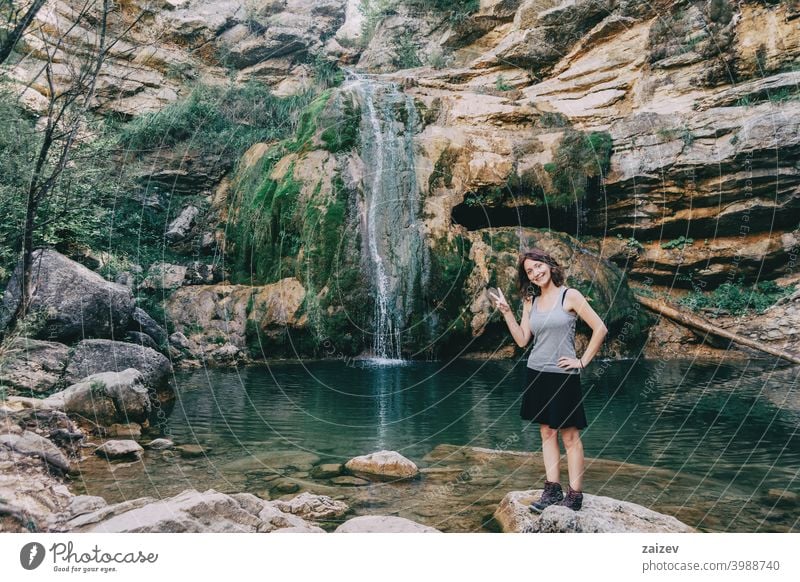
551 453
575 465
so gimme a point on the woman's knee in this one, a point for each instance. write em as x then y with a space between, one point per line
570 437
547 432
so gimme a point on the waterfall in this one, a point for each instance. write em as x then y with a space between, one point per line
395 253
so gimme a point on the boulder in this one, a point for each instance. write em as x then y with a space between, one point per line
141 339
160 444
164 276
94 356
33 364
120 449
598 514
383 524
31 444
191 511
313 507
73 301
383 463
179 228
142 322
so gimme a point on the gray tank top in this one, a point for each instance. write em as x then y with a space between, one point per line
553 337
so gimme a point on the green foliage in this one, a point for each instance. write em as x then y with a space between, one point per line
445 295
442 175
631 242
736 298
579 157
75 211
456 10
265 232
501 84
406 56
676 243
342 133
438 58
327 73
374 12
219 122
97 387
307 125
552 119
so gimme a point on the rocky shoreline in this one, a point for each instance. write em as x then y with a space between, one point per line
38 461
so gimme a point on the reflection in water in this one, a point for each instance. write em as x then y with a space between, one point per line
702 441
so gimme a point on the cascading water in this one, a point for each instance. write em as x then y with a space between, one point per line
395 254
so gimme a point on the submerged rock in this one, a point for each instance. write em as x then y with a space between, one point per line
597 515
120 449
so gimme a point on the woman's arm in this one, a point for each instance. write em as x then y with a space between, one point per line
587 314
520 331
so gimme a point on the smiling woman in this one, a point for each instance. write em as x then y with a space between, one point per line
552 393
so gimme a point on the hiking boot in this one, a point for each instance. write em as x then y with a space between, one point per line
573 499
552 494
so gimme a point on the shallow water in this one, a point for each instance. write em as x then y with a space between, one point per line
703 441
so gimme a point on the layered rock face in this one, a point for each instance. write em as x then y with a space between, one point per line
625 126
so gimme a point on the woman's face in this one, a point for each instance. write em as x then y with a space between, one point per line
538 272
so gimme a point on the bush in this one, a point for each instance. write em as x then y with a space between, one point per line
579 158
406 56
220 122
736 298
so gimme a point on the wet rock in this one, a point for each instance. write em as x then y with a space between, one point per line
120 449
327 470
74 301
597 515
278 461
285 486
383 524
312 507
191 451
349 480
159 444
384 463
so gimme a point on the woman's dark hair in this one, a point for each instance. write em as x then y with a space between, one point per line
526 287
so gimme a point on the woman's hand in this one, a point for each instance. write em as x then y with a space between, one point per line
500 301
569 363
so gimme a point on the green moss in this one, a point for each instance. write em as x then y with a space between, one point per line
579 158
442 175
307 124
342 131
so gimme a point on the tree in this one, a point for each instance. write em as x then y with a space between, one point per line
17 22
70 98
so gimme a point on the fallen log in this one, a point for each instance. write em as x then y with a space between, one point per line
701 324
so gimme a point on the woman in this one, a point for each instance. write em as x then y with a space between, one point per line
552 395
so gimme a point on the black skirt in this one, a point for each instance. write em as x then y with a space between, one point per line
553 399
